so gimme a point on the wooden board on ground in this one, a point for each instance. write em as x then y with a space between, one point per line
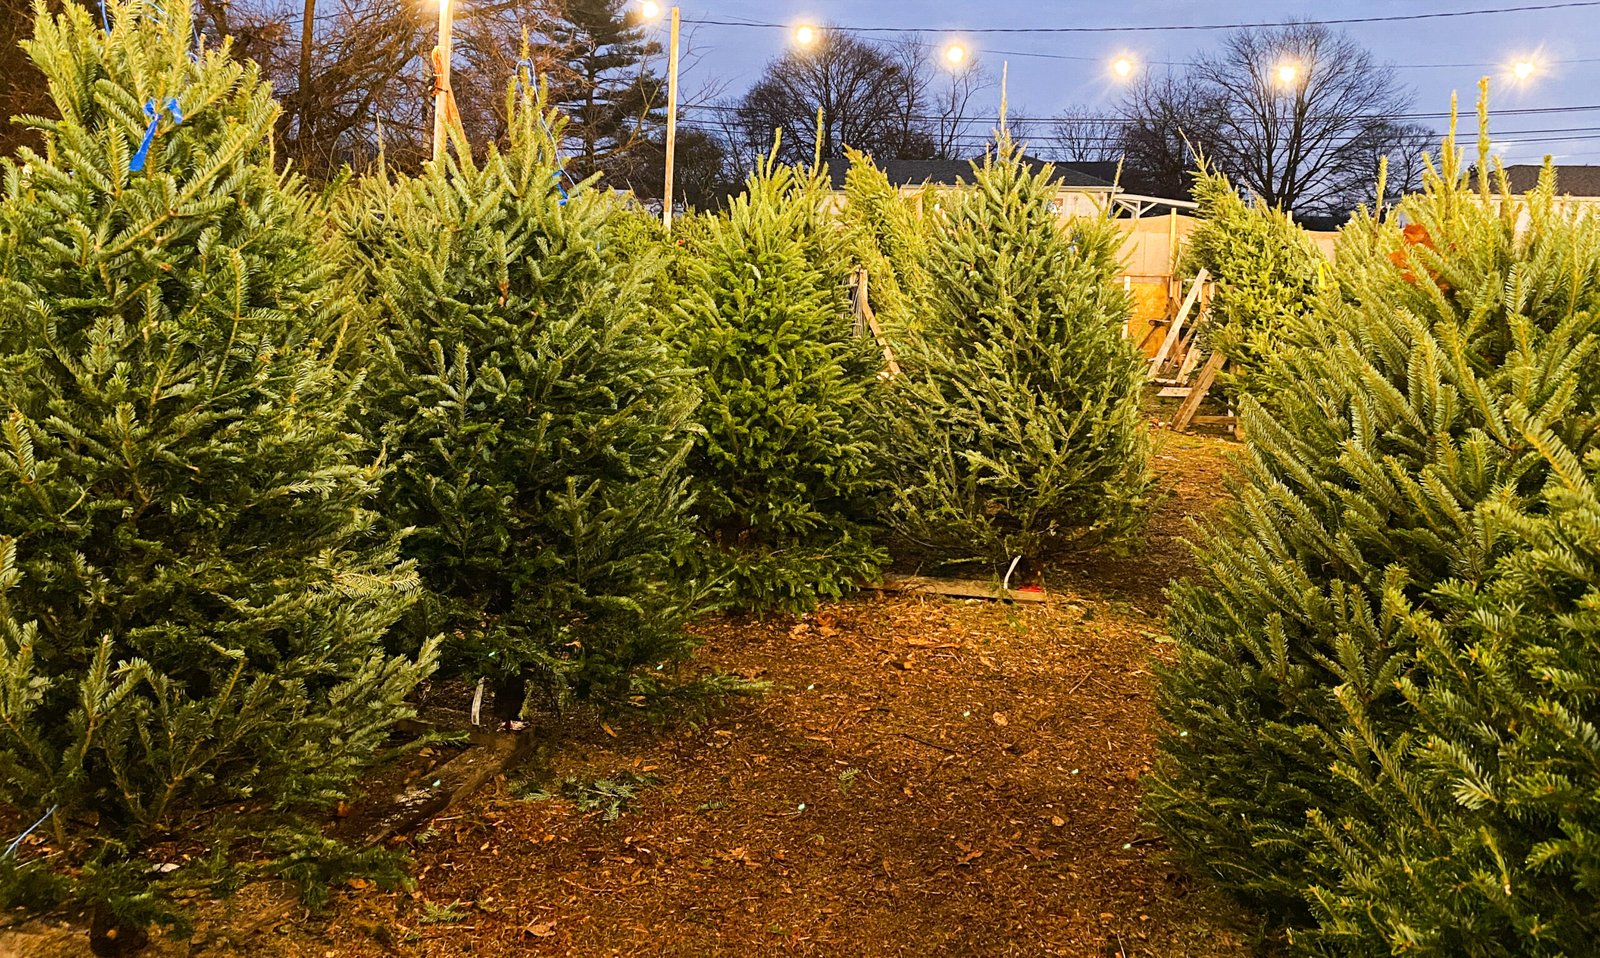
388 812
958 588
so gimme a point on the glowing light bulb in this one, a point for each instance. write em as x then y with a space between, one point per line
955 54
1288 73
649 9
805 35
1523 70
1122 68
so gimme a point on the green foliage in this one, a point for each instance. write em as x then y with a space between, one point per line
611 797
1385 713
1265 268
1020 432
785 457
886 233
193 593
536 420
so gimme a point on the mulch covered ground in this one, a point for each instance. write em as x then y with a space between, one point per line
924 777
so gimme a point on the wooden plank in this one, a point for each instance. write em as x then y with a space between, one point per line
1213 420
1177 325
1191 355
386 813
958 588
1174 392
1202 385
863 308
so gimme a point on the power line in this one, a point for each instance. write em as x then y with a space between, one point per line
1525 111
1174 27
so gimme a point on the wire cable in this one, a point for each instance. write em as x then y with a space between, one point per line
1175 27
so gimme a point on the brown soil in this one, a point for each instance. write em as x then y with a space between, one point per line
924 777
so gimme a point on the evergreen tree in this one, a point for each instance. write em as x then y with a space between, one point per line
192 593
1021 432
597 62
536 419
786 457
886 233
1265 270
1384 719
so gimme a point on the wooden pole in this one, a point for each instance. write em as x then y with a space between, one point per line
441 79
308 22
672 122
1005 66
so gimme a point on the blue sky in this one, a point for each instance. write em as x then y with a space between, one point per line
1433 57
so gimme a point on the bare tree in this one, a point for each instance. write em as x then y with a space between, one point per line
1405 147
955 106
861 87
1302 110
1082 135
1167 124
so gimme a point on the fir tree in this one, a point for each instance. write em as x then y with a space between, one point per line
536 419
596 58
1383 714
1265 270
192 594
1021 434
786 457
886 233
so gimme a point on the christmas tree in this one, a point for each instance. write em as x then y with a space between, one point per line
1020 435
194 595
1384 724
1265 270
785 459
535 418
887 235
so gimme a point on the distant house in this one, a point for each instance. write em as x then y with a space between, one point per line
1578 185
1078 191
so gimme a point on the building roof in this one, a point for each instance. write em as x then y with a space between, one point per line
1081 176
1570 180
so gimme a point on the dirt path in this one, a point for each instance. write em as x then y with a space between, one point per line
924 777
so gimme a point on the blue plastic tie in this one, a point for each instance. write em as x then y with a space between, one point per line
11 849
136 163
561 170
105 17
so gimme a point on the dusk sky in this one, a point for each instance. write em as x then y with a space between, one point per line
1433 57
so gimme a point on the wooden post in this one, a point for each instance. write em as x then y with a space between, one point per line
1005 66
441 79
1173 291
307 33
672 122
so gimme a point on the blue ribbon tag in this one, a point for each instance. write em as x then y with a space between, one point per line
136 162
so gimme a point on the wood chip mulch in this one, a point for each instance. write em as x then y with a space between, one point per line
925 776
